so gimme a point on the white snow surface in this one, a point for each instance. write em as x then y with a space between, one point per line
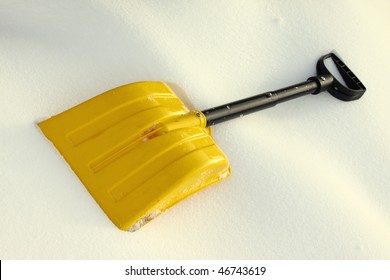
311 177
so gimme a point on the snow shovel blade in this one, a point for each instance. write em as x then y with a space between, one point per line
138 150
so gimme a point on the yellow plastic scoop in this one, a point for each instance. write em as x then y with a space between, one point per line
139 150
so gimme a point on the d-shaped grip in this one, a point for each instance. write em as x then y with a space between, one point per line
354 89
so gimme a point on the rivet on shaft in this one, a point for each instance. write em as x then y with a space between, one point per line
322 78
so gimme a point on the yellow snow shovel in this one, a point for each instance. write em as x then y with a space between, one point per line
139 150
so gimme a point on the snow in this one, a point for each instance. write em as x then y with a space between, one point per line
310 178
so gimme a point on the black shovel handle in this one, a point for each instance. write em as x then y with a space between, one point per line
354 89
314 85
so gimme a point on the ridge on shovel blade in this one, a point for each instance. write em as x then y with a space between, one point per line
138 150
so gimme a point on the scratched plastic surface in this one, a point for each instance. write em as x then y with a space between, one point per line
131 149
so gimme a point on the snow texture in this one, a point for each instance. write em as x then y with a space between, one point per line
310 177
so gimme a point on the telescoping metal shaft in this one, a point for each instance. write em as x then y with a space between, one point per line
269 99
